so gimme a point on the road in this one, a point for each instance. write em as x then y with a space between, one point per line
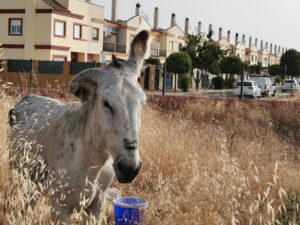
226 93
229 92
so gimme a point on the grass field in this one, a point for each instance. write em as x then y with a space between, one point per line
205 162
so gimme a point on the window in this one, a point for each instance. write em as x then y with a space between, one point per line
77 34
59 28
15 26
171 46
95 34
180 46
252 58
59 58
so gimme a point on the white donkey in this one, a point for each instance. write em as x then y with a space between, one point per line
96 138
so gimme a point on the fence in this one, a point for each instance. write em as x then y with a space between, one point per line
51 67
77 67
19 65
40 73
43 71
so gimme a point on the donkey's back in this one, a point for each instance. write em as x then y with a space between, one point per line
33 113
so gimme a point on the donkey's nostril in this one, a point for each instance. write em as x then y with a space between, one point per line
119 166
129 144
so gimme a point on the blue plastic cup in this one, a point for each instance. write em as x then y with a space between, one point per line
130 211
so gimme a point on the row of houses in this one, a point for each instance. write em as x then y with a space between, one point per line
76 30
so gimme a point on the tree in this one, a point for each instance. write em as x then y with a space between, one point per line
231 65
193 44
178 63
209 55
275 70
290 63
255 69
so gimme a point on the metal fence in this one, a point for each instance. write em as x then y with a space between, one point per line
51 67
19 65
154 52
77 67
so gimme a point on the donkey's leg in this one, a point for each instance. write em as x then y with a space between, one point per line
60 214
102 182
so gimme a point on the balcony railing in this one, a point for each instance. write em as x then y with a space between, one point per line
154 52
114 47
163 53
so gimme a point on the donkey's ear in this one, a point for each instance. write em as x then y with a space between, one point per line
139 45
84 84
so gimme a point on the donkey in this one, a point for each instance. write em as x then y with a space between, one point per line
90 141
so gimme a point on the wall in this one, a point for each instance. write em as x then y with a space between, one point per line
38 29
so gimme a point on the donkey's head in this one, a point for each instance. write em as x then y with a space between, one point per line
114 98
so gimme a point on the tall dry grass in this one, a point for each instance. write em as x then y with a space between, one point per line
205 162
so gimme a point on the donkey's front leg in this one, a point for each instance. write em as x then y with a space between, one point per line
102 182
61 215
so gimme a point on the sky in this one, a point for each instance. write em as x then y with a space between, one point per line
274 21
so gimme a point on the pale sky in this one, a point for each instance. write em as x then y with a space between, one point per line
275 21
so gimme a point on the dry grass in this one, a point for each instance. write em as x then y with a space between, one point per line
205 162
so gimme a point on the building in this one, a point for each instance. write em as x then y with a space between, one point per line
118 35
252 53
60 30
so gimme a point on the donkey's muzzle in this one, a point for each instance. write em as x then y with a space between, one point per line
125 173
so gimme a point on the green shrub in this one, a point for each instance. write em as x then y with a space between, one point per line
218 82
229 83
184 83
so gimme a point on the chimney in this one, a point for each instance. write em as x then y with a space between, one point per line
282 48
244 39
220 33
228 36
261 45
186 26
236 38
279 49
114 10
250 42
173 20
137 9
199 27
210 28
271 48
275 49
156 18
255 42
267 46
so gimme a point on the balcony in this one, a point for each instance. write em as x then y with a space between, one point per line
154 52
162 53
114 47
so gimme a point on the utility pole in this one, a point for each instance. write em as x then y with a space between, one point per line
242 82
164 78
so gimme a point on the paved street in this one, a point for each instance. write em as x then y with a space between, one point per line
227 93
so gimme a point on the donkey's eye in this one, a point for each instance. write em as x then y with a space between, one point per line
107 105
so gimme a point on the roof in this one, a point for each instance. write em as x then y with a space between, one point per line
55 5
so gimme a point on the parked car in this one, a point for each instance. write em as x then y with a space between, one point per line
288 84
265 84
250 89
